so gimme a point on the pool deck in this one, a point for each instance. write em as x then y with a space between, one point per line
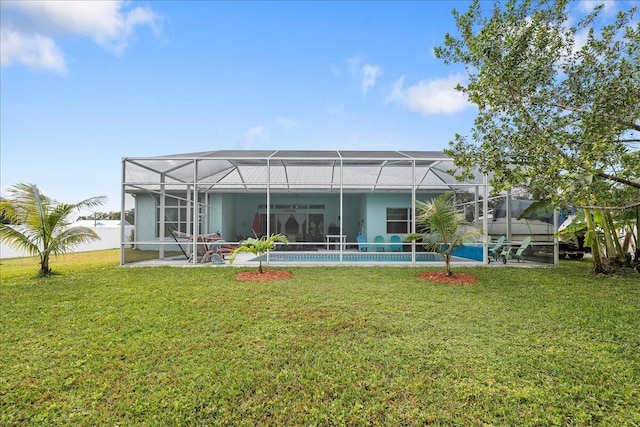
248 260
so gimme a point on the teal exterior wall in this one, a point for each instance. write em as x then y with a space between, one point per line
146 224
246 207
377 205
232 214
222 215
353 214
145 220
146 217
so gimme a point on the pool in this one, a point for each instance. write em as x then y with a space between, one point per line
355 257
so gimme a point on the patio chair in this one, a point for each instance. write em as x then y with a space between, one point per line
396 243
379 243
362 243
496 250
203 254
217 259
518 254
221 248
213 248
179 235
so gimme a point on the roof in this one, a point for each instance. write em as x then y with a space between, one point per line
296 170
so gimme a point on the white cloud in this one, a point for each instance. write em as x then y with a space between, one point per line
587 6
430 97
580 41
255 132
369 75
353 64
35 51
30 26
286 123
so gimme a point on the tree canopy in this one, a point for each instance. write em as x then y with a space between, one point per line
558 104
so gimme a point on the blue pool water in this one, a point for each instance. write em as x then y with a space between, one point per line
373 257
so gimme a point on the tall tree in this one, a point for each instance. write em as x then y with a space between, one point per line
42 224
558 104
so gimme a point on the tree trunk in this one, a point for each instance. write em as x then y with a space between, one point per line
447 261
637 235
607 232
598 265
44 266
615 238
626 243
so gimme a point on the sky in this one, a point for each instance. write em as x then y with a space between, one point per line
84 84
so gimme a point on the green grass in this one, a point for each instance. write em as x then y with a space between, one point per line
97 344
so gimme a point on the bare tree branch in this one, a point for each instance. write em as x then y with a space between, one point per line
629 125
614 178
612 208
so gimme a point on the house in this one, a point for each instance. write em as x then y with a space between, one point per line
319 199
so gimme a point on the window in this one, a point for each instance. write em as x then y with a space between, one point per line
312 225
302 216
273 224
398 220
175 216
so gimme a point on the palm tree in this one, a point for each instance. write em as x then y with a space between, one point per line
42 225
258 246
446 227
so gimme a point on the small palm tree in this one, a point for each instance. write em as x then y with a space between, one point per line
446 227
258 246
41 225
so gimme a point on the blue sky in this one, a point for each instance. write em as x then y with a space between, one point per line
84 84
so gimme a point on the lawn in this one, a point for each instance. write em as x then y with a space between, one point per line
98 344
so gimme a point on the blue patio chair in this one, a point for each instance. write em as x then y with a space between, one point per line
396 243
362 243
496 250
379 243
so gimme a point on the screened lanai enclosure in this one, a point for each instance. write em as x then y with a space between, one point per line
336 207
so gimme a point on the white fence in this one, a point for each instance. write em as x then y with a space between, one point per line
109 239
